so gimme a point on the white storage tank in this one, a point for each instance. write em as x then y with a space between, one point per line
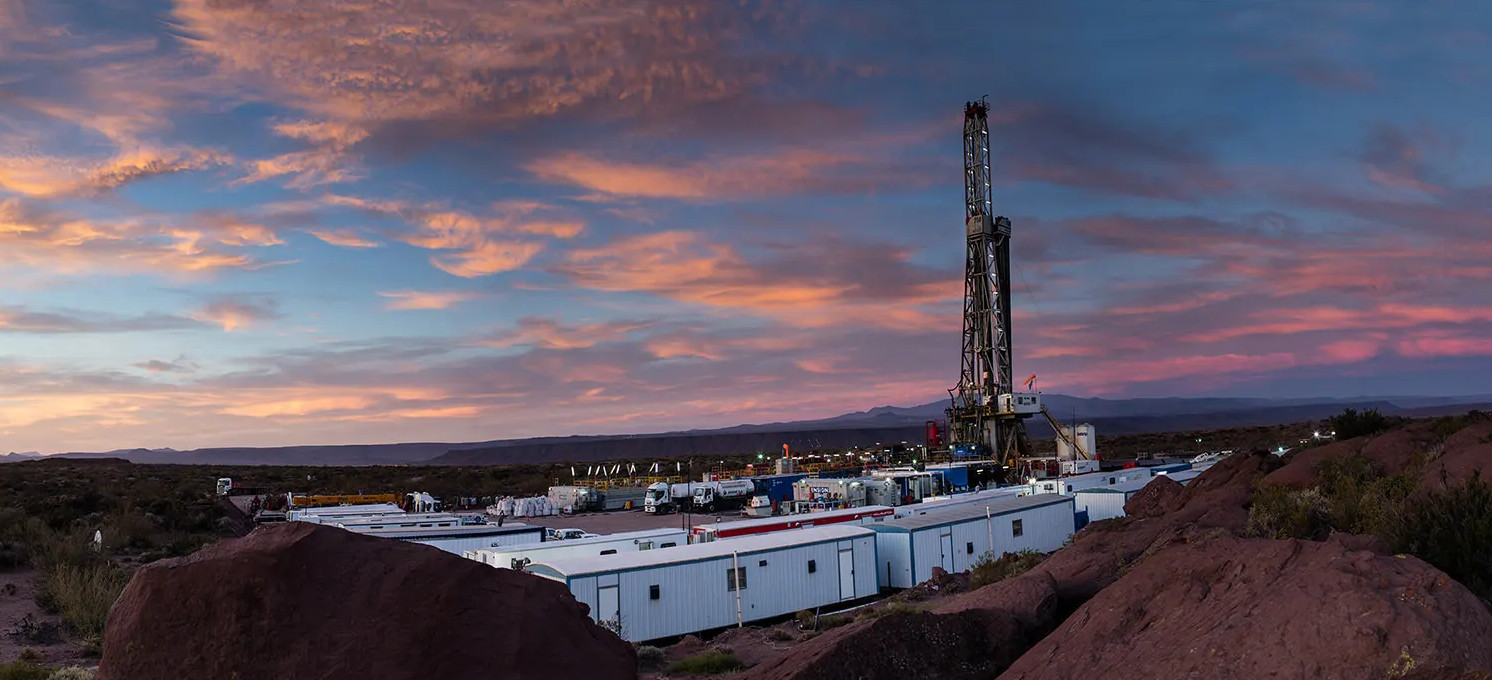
955 539
690 589
1086 437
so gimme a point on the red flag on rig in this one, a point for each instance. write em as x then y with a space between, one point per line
1030 380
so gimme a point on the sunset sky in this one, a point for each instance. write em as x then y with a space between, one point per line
265 222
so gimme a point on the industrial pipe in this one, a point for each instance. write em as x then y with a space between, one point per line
735 560
989 525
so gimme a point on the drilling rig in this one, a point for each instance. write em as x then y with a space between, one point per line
986 412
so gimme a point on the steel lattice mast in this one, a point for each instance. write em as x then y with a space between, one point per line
986 371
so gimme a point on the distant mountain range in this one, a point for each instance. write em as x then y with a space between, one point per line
864 428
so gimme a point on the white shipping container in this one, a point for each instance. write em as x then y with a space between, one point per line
631 541
689 589
955 539
322 514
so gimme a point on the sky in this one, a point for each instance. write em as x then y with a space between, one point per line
273 222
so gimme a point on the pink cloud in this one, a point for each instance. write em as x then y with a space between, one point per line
427 299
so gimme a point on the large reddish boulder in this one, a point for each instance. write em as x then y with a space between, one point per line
301 600
1160 496
1215 606
1464 453
1219 497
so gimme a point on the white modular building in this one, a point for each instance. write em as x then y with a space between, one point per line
323 515
1067 485
612 544
424 520
956 538
868 514
1107 502
1183 476
693 588
460 539
936 504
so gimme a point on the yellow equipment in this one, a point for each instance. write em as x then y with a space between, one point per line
348 499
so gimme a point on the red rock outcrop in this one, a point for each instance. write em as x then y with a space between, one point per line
1162 495
306 601
1222 607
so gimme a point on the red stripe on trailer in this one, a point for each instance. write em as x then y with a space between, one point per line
798 522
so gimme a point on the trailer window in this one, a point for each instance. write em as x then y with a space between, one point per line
761 563
735 579
969 548
670 544
1016 528
609 552
812 566
653 592
645 545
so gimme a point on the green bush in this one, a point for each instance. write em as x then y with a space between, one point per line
23 670
713 662
1452 530
83 595
72 673
1280 512
649 657
1350 423
887 610
989 569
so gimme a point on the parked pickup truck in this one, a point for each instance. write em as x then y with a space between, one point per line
566 534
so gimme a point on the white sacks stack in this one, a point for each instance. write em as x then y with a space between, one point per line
538 506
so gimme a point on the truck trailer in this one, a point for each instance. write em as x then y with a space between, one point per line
728 494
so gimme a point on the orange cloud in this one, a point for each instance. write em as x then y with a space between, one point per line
487 258
233 313
428 299
39 238
346 238
550 334
48 176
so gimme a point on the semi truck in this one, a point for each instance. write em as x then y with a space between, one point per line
664 498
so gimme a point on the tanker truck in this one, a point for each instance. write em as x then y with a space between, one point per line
664 498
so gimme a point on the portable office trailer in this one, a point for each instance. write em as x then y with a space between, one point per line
1067 485
460 539
1107 502
404 521
613 544
945 503
777 488
913 486
319 515
766 525
1167 468
663 593
908 549
1183 476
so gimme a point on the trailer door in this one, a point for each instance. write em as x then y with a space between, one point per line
945 546
608 604
847 574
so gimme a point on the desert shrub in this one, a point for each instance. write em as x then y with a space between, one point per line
1452 530
83 595
990 569
1280 512
31 631
713 662
23 670
649 657
29 655
1352 423
887 610
1361 500
780 635
71 673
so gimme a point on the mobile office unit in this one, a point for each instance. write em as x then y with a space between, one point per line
319 515
1184 476
945 503
705 533
955 539
1067 485
1167 468
404 521
613 544
1107 502
460 539
692 588
846 492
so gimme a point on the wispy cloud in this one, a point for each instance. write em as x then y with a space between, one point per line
234 312
427 299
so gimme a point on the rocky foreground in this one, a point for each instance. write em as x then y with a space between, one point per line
1179 588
